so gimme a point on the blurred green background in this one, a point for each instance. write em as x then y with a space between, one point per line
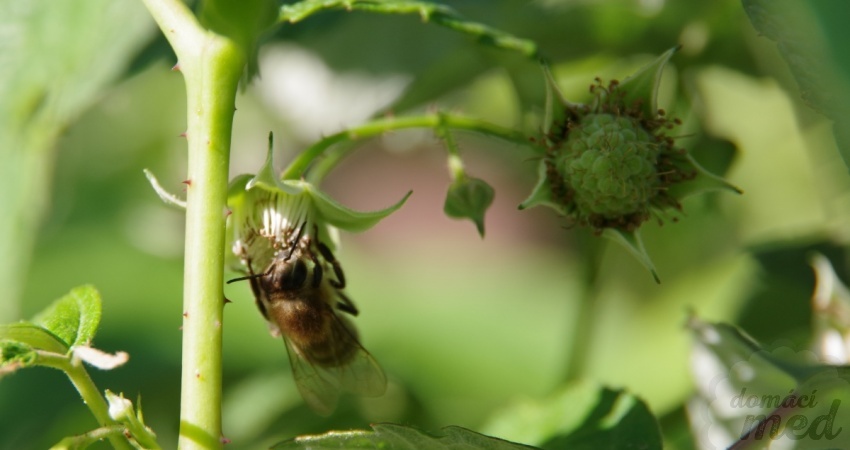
463 327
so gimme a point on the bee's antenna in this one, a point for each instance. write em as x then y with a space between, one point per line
252 275
248 277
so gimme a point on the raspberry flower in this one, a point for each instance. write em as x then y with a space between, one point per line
267 213
610 165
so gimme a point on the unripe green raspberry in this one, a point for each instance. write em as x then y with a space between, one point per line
611 164
608 163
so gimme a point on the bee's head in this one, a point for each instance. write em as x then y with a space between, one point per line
286 276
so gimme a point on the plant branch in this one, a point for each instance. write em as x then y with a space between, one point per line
178 24
380 126
88 391
428 11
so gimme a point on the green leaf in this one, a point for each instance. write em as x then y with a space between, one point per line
801 37
469 198
15 355
33 336
344 218
56 61
73 318
581 416
642 86
738 380
398 437
634 244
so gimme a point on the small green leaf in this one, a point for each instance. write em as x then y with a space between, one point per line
583 416
469 198
344 218
73 318
634 244
398 437
15 355
642 86
33 336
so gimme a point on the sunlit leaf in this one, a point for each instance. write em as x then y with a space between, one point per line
73 318
34 336
745 391
398 437
582 416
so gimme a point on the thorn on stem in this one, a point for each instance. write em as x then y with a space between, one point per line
187 182
183 134
176 67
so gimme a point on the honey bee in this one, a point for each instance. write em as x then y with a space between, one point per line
304 306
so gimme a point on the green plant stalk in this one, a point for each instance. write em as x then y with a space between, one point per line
377 127
88 391
212 66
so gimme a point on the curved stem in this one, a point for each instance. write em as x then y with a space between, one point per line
88 391
377 127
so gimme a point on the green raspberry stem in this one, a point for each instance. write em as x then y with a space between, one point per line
304 160
88 391
212 65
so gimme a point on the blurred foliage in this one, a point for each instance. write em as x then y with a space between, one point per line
461 326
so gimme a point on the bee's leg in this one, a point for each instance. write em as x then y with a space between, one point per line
339 283
346 304
317 270
255 288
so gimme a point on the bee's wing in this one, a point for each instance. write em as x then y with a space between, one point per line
319 389
360 374
357 373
